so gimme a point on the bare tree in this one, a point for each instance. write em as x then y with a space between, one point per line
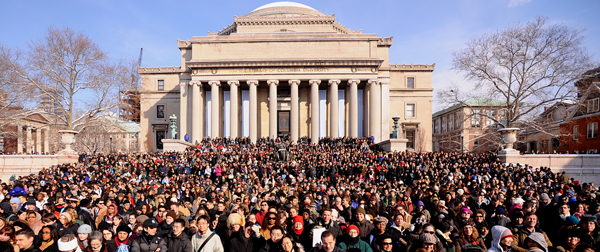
526 66
68 68
15 98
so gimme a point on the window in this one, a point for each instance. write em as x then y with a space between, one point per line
410 82
436 126
476 142
443 124
450 122
476 119
410 136
575 132
160 111
593 105
410 110
161 85
592 130
458 123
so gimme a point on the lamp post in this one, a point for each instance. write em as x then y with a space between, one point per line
462 141
110 144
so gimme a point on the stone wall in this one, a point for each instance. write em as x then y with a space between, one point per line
582 167
23 165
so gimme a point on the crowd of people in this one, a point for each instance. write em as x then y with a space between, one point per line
344 194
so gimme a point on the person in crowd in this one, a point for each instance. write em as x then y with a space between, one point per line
205 238
24 240
353 243
48 239
149 241
122 241
96 243
502 239
178 241
328 243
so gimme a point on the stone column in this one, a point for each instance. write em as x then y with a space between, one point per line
19 138
233 114
334 124
197 110
314 113
38 140
215 121
294 116
273 108
353 107
29 140
375 113
47 141
183 97
253 110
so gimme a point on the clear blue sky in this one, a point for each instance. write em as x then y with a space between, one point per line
425 31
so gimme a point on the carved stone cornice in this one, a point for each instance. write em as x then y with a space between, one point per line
283 63
412 67
154 70
184 43
385 41
297 82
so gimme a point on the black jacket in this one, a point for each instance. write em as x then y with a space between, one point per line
178 243
242 244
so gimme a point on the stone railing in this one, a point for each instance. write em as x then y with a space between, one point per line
23 165
582 167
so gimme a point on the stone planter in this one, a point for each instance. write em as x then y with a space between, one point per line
68 139
509 137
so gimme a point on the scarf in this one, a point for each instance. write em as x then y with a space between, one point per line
119 242
353 240
46 244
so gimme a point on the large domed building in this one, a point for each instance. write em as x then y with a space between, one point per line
286 69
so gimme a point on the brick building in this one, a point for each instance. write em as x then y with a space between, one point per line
580 131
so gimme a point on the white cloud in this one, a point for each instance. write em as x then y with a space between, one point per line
515 3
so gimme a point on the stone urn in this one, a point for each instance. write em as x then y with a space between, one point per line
509 137
67 137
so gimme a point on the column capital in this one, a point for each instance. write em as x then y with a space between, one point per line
195 82
334 82
314 82
276 82
373 82
297 82
252 82
354 81
213 82
233 82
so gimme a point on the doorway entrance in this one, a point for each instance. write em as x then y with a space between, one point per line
283 123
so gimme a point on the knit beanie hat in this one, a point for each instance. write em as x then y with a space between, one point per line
172 214
353 227
506 233
67 216
361 210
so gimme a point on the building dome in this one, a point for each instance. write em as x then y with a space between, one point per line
290 9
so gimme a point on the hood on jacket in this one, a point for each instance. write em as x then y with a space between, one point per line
6 208
497 236
539 239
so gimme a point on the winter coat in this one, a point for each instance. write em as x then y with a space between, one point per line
242 244
365 228
213 245
361 246
520 236
178 243
111 246
496 235
141 244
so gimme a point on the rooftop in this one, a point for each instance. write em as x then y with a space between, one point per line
474 101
